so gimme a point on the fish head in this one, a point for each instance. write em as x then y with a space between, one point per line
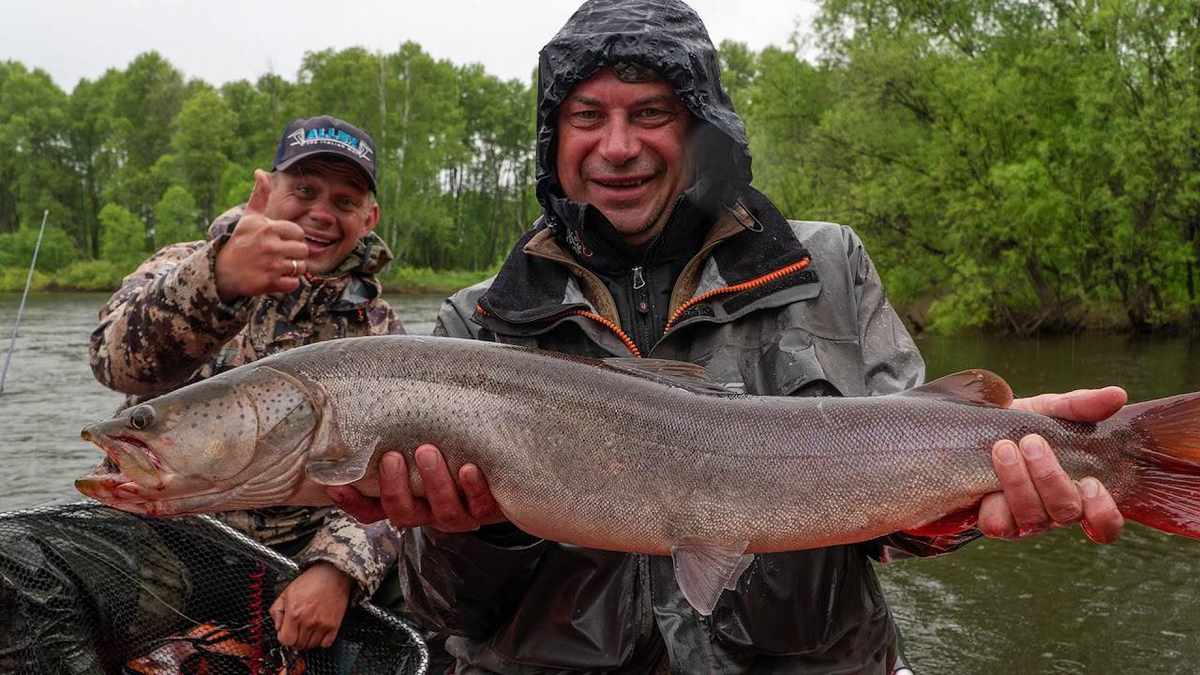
210 446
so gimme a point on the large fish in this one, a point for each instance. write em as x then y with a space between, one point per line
624 454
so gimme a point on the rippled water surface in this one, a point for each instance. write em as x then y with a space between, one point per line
1058 604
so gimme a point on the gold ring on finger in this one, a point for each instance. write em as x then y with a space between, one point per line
295 268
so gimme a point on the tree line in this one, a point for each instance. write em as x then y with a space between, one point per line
1017 165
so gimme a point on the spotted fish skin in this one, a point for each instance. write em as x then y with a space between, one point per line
618 454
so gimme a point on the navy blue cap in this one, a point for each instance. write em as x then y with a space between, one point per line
328 136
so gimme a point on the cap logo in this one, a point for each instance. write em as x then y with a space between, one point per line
331 136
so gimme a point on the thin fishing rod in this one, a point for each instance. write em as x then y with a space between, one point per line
21 308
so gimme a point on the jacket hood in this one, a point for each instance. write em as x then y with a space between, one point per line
669 37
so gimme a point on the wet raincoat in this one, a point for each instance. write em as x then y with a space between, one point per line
768 306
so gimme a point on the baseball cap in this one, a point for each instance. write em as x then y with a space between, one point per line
328 136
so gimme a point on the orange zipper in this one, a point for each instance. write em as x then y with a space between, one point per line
629 344
590 315
736 288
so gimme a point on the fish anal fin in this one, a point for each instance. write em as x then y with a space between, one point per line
973 387
953 523
671 373
703 571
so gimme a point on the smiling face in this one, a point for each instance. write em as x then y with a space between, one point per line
622 147
331 201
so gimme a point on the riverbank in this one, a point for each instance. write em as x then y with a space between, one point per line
101 276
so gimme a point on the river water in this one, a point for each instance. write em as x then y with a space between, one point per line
1056 604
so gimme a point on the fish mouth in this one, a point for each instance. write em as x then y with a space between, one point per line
130 475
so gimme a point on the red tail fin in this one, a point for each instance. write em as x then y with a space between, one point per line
1168 464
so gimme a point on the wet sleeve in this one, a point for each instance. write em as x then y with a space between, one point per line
892 364
165 322
891 360
467 584
365 553
901 546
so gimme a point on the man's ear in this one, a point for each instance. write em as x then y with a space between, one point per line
372 218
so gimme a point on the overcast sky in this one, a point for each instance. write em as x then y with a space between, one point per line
223 40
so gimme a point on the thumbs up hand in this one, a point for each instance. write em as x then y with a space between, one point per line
263 255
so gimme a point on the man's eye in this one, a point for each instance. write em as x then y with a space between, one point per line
655 115
587 115
347 204
304 191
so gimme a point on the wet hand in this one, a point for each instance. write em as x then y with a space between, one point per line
263 255
309 611
1036 493
444 507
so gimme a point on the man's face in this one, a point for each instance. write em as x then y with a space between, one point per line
331 201
622 147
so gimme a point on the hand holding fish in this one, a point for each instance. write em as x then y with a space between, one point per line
442 507
263 255
1037 494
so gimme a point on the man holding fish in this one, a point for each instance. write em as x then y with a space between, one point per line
653 243
293 266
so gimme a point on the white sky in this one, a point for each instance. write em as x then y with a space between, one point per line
223 40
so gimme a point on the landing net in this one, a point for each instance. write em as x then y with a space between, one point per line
85 589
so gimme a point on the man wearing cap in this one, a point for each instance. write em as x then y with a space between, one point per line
293 266
652 243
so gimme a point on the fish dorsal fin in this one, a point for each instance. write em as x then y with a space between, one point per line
973 387
704 570
671 373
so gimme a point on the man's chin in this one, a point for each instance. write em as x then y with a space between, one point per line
635 228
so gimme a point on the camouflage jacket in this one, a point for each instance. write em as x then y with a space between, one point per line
167 327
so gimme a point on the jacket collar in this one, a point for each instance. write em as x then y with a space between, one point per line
541 281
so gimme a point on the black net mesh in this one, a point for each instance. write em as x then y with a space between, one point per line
87 589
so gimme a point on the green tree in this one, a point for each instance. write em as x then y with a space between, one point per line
177 217
204 139
123 240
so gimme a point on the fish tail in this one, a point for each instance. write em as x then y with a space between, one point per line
1167 461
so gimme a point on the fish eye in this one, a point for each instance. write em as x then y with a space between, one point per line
142 417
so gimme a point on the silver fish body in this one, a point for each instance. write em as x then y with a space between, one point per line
616 454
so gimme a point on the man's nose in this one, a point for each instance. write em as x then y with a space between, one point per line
620 143
322 212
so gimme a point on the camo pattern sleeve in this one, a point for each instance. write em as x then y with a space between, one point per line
365 553
165 322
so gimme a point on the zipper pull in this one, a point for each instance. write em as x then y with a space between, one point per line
638 281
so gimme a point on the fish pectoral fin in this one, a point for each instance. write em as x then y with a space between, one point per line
973 387
953 523
338 465
680 374
704 570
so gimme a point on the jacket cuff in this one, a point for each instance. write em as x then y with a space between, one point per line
363 553
192 286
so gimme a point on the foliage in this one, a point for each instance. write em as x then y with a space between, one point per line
12 280
1036 162
56 250
423 280
123 240
177 217
1012 165
90 275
